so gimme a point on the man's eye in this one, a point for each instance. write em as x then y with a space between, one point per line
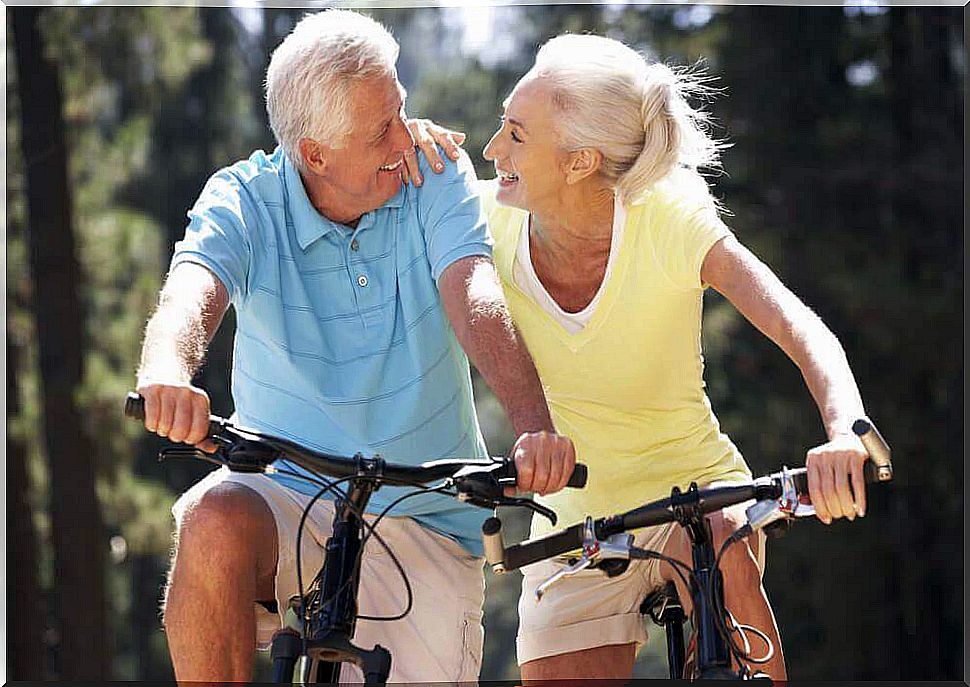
515 138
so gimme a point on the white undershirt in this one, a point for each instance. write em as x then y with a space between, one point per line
524 275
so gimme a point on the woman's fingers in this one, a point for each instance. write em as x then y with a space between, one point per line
432 140
411 170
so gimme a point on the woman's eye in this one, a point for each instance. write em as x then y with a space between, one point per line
511 132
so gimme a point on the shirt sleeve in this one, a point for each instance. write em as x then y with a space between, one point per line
451 215
217 234
686 227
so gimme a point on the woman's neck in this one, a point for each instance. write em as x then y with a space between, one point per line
579 229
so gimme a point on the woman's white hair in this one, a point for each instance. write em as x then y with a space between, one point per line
608 97
312 73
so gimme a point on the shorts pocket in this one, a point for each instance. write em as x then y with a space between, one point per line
472 643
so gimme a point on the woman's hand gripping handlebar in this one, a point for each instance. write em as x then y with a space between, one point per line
780 496
481 482
794 501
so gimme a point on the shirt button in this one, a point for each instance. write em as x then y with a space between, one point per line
362 280
354 245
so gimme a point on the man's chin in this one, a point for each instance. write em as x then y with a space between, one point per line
392 185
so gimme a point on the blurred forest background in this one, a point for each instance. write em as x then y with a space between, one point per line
846 177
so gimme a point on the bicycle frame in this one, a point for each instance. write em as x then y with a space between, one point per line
328 634
713 660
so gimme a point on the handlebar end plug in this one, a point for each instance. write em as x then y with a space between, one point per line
879 452
494 546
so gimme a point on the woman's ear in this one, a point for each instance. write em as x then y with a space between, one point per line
582 164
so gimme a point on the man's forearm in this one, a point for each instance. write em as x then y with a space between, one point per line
480 317
189 311
498 352
174 345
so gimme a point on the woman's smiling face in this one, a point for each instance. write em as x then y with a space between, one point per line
529 160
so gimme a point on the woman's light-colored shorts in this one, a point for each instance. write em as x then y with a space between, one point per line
589 609
440 640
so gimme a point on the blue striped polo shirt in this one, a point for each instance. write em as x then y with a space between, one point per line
342 343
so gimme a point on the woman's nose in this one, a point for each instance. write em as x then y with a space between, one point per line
489 152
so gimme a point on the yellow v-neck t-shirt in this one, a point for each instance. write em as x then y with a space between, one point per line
628 388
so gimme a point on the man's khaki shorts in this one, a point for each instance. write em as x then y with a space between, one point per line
589 609
440 640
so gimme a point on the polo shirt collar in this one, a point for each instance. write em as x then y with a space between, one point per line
308 223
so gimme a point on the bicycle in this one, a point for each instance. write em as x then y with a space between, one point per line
606 544
322 619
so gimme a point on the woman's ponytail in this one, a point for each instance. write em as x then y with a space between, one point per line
674 133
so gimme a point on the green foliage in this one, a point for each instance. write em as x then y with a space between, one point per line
140 509
468 98
137 53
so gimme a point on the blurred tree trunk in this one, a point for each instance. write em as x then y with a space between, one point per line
927 152
76 523
26 622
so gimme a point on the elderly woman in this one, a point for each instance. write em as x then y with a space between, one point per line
606 237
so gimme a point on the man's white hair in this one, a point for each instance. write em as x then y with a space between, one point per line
313 71
608 97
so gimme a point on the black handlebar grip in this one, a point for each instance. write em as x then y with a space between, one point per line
578 479
550 546
135 406
135 409
879 467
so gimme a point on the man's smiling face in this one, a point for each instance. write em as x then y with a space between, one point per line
365 171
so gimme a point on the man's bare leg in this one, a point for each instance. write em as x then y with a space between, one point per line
225 560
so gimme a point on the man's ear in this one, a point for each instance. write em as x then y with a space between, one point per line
583 163
315 156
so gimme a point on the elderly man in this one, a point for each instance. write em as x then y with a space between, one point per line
357 299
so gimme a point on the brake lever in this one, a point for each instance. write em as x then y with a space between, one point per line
545 512
188 452
515 502
592 549
787 506
481 488
790 501
581 564
520 501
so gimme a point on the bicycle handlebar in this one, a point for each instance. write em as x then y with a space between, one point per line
788 484
340 466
